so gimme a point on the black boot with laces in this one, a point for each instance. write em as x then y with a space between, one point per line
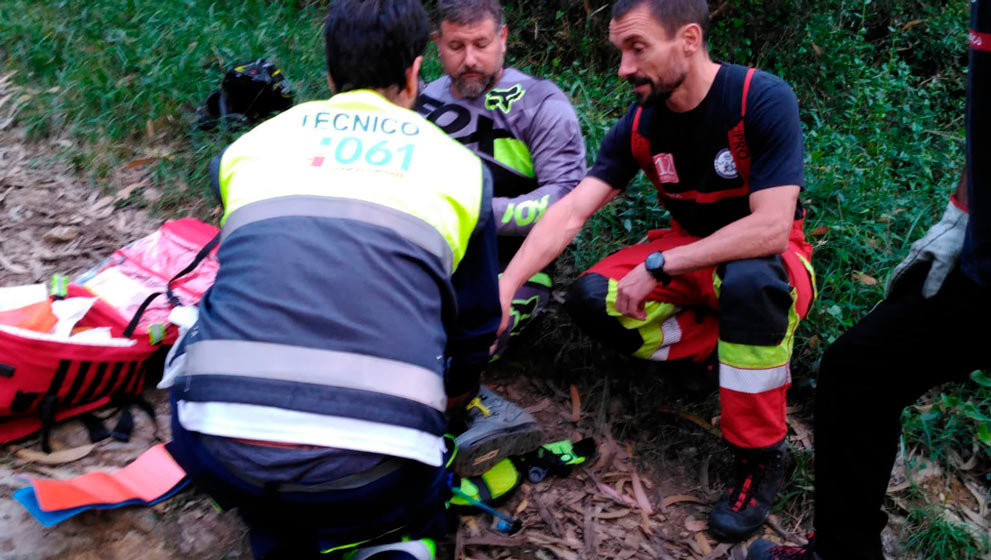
744 507
762 549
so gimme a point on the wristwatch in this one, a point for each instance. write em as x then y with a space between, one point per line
655 266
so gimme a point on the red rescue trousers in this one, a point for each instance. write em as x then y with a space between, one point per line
747 310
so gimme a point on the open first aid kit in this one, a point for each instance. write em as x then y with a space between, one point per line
70 347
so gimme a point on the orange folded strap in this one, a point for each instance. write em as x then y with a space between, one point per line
150 476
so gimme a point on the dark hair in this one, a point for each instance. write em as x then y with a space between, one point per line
672 14
371 43
464 12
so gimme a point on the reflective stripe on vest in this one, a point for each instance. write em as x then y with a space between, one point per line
409 227
281 362
359 146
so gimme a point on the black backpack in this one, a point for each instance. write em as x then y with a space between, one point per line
250 93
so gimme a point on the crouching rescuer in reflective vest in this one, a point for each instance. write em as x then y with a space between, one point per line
355 304
731 277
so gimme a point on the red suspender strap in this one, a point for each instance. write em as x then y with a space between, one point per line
640 146
738 139
980 41
746 91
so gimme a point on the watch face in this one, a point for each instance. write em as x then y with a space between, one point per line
655 261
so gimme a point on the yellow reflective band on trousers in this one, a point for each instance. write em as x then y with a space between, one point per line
812 275
359 146
745 356
649 328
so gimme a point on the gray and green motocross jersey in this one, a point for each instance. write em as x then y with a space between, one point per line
526 132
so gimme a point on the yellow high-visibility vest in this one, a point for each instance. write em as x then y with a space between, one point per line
356 156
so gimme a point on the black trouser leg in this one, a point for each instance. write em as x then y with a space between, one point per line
903 348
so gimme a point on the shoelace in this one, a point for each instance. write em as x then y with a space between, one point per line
789 553
751 479
795 552
477 403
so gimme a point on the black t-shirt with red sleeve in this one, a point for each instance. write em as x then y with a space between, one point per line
691 151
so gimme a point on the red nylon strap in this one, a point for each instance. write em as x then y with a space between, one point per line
738 142
640 146
708 198
956 202
980 41
636 139
746 90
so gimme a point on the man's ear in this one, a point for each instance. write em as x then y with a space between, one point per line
330 82
503 35
691 36
408 94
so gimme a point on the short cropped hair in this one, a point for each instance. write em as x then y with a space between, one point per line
464 12
371 43
672 14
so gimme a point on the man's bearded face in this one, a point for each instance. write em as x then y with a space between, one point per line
659 90
472 55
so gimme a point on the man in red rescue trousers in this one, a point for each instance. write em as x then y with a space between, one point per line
731 277
930 329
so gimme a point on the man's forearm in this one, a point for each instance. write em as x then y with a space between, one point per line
553 232
546 241
760 234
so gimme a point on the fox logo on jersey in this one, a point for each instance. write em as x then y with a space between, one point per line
503 99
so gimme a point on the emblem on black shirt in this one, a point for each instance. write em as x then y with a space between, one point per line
666 170
724 165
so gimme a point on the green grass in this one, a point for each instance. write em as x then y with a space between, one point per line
122 79
959 415
934 536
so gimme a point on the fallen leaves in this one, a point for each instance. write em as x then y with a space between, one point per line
56 457
803 435
126 192
640 495
693 418
681 499
865 279
51 222
616 496
140 161
10 266
911 24
718 552
540 406
695 525
609 509
62 234
703 543
151 194
576 405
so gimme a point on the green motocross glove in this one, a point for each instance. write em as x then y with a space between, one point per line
940 246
